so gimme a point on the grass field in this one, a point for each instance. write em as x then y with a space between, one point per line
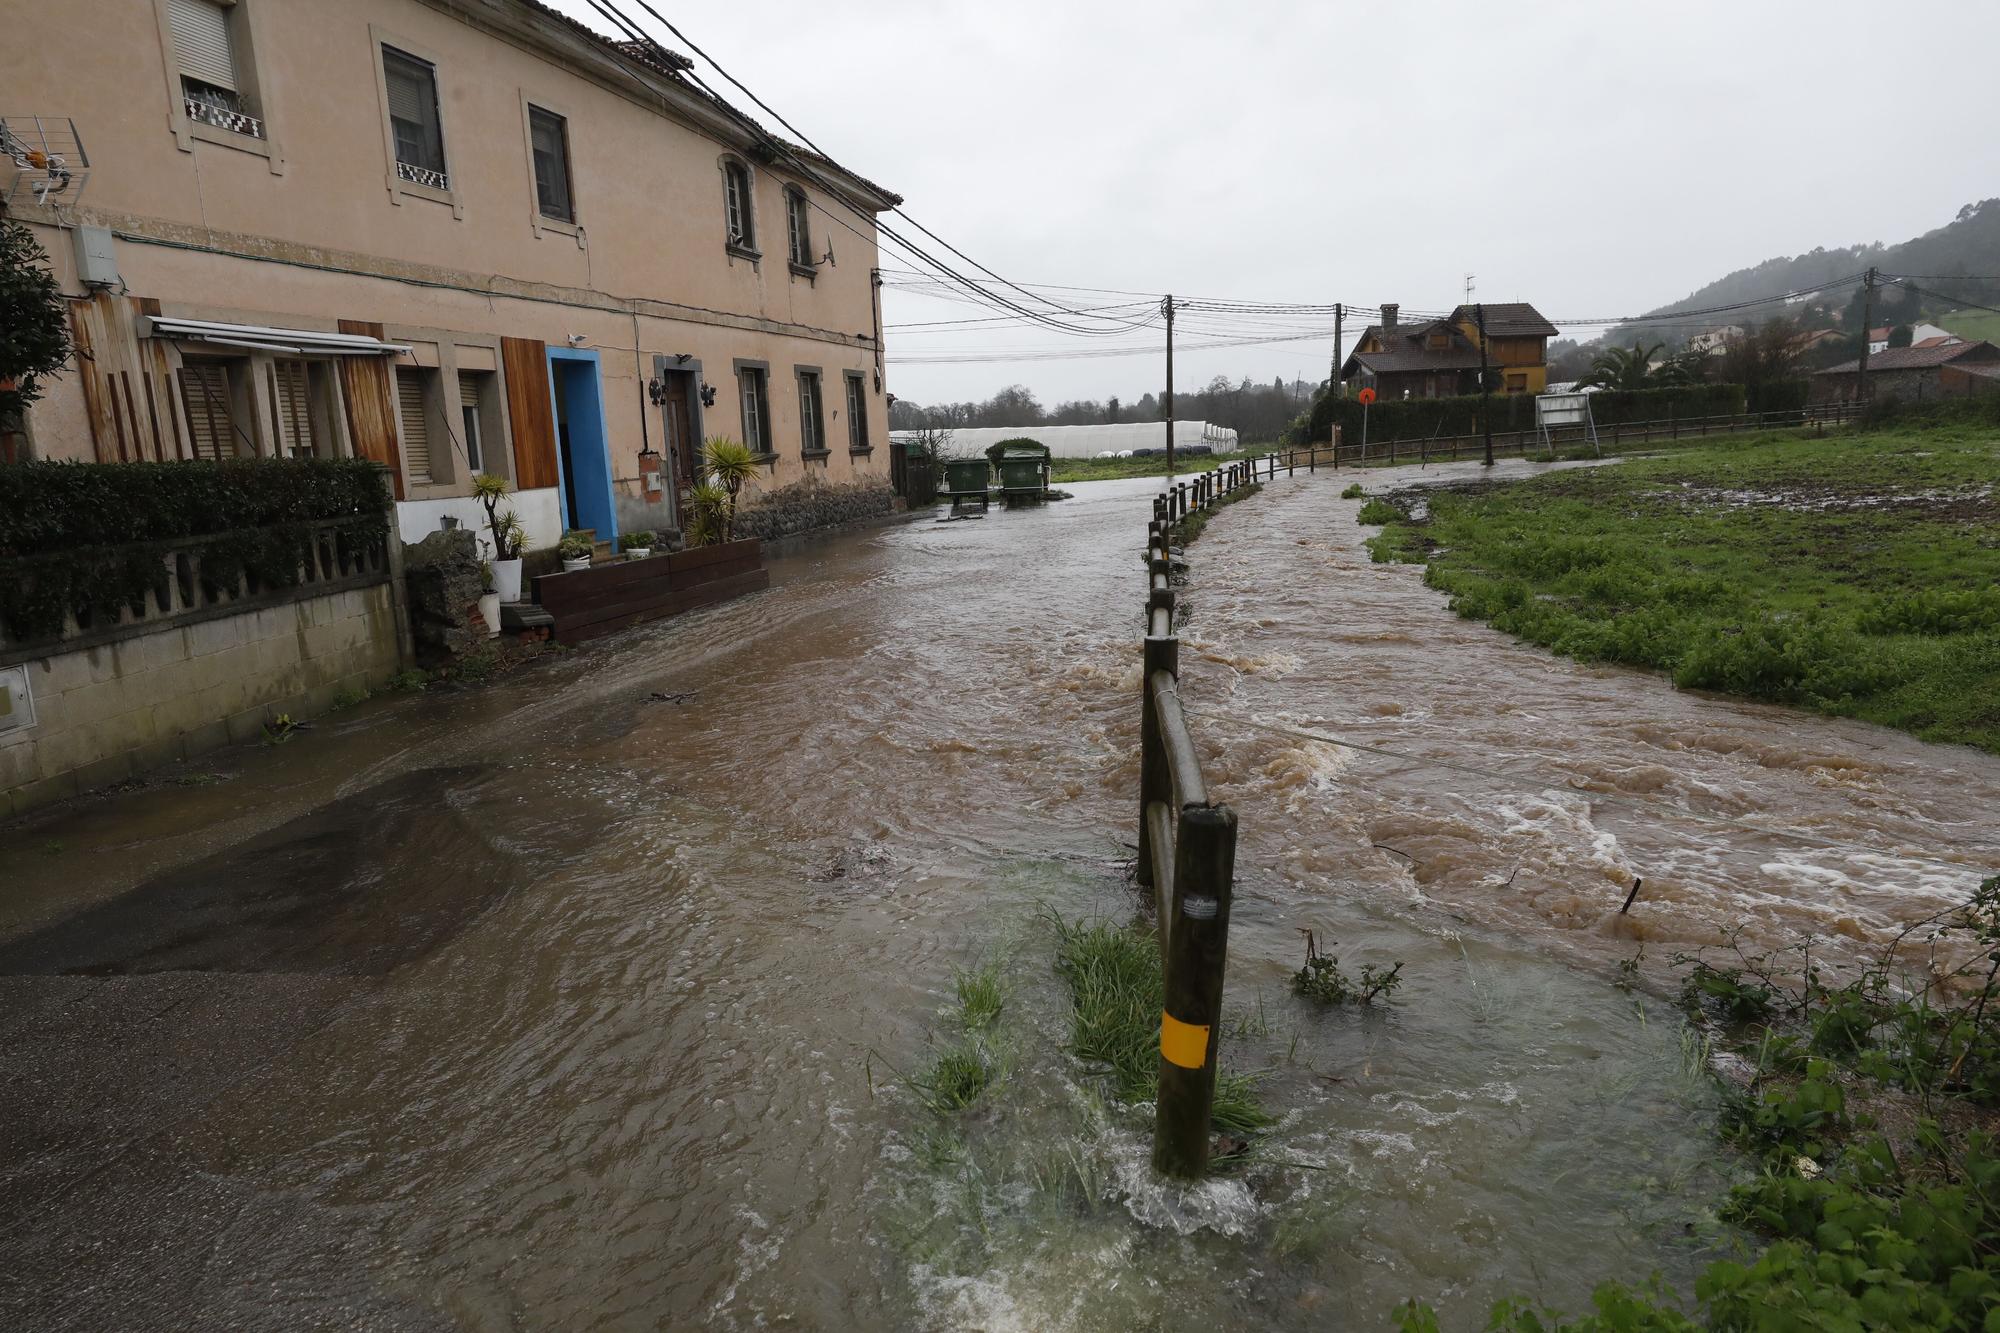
1975 324
1858 575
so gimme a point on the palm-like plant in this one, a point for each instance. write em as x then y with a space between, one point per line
708 504
729 463
1621 367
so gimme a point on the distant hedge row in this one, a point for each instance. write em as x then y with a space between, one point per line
51 507
1426 418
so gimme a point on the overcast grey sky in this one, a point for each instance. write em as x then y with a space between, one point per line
1595 159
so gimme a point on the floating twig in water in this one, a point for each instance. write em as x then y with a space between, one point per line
1383 846
676 697
1636 882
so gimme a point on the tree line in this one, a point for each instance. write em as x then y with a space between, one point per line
1256 412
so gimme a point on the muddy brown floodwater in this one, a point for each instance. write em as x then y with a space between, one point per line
553 1006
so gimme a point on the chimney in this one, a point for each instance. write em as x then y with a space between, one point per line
1389 310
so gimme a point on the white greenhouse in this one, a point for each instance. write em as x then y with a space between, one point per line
1080 441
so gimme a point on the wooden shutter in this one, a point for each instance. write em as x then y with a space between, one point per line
291 404
370 401
416 424
205 389
530 412
201 36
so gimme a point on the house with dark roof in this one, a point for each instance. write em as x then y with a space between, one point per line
1939 370
1439 358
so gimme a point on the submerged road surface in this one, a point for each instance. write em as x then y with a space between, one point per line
556 1006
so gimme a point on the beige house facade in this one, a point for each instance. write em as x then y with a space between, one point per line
454 236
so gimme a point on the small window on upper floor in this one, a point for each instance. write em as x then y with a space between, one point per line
212 83
798 224
736 205
413 119
1440 341
549 135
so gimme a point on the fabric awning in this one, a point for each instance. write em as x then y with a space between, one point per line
263 338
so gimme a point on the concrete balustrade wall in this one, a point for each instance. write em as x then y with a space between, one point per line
107 713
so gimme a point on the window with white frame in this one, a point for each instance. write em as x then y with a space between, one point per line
736 204
857 414
475 389
798 224
213 88
753 392
414 123
812 420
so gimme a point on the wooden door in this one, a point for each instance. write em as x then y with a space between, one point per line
679 416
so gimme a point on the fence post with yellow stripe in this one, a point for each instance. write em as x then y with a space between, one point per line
1197 939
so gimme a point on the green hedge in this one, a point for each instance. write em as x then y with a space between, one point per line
1426 418
48 507
89 538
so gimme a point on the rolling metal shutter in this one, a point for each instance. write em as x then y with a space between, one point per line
205 390
201 35
416 424
291 403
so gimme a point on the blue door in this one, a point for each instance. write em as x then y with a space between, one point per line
583 446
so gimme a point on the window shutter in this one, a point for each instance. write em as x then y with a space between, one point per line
468 392
416 424
201 35
291 402
205 390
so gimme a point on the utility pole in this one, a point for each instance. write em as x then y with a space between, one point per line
1485 394
1867 331
1167 309
1333 380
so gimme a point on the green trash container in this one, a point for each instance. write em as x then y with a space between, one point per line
966 477
1024 470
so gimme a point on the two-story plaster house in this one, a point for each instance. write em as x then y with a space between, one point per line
453 236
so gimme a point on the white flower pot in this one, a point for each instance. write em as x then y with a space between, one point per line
507 580
571 566
638 552
489 607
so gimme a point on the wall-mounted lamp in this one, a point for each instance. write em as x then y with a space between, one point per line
708 395
578 339
828 259
682 358
656 391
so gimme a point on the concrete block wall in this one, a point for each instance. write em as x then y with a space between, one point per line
106 714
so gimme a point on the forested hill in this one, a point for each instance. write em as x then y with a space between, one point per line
1969 244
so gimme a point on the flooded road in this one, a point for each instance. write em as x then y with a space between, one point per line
556 1006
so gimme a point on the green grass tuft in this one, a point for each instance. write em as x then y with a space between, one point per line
958 1075
1113 975
1353 491
981 997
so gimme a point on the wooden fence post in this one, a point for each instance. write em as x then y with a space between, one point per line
1197 943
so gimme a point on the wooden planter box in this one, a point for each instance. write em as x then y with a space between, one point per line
605 598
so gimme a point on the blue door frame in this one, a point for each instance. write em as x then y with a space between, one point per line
577 388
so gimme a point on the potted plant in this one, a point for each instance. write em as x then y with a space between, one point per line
508 536
489 601
638 545
575 549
